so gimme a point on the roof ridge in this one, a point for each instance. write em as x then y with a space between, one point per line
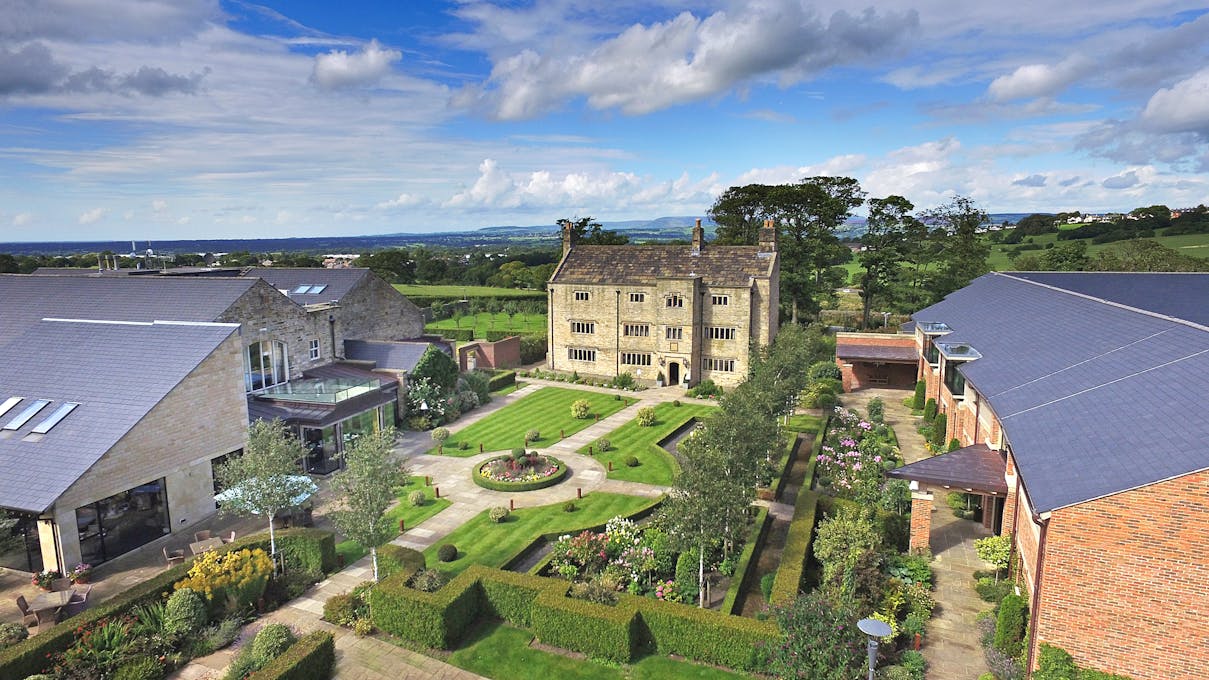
1110 303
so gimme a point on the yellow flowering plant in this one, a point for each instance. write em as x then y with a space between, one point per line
234 580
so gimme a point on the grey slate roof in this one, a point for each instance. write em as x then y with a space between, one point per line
24 300
337 282
975 467
1180 295
94 365
862 352
398 356
1094 398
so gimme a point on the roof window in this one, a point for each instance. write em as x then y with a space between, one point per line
54 418
9 404
309 289
26 415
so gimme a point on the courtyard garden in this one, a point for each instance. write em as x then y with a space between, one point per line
633 449
547 413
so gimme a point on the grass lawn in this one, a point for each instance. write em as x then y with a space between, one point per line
547 410
804 422
481 541
655 466
353 551
521 324
502 652
465 292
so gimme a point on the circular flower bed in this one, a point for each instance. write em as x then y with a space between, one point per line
523 472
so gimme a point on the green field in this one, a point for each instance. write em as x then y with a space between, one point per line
520 324
655 466
547 410
491 544
499 651
465 292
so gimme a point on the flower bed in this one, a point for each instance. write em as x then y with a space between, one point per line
855 456
520 471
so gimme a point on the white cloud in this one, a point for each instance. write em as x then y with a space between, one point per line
22 219
836 166
1183 107
1124 180
337 69
91 216
403 200
1038 80
159 205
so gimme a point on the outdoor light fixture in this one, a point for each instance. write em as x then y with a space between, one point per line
874 629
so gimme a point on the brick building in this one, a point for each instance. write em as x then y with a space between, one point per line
1080 403
679 313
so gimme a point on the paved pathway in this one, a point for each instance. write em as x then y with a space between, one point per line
951 648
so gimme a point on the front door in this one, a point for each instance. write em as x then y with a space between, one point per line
673 373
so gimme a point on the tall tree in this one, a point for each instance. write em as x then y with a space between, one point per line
365 489
266 478
588 231
740 213
964 254
890 233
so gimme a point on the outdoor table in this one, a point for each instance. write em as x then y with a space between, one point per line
208 544
51 600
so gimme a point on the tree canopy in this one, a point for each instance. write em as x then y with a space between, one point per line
588 231
365 489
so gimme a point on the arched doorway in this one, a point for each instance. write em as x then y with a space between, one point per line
673 373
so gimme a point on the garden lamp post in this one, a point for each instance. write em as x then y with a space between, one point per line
873 629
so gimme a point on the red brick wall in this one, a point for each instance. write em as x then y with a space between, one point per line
1125 587
857 374
504 353
921 519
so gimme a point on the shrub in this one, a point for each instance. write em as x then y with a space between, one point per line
447 552
231 579
1054 663
185 613
581 409
930 410
533 348
501 380
624 381
914 661
995 550
311 658
645 416
464 446
429 580
676 403
1009 626
439 435
11 634
705 389
825 369
827 401
498 514
569 506
533 435
991 590
416 498
363 627
897 672
921 388
631 461
820 640
686 575
940 425
593 591
142 667
876 410
340 609
271 641
603 444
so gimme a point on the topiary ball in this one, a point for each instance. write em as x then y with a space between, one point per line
518 453
533 435
569 506
184 614
447 552
631 461
272 641
498 514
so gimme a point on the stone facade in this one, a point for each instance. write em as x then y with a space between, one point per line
681 328
374 310
265 315
205 416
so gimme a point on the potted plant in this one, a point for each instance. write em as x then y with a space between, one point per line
44 578
659 379
81 573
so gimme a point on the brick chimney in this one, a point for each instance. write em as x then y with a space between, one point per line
768 237
568 236
698 238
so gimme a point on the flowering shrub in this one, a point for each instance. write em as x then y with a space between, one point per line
80 573
232 580
581 409
854 457
99 648
44 578
582 554
645 416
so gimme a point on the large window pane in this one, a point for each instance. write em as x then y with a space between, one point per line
122 522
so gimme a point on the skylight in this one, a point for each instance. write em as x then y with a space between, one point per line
8 404
26 415
315 290
302 289
309 289
58 415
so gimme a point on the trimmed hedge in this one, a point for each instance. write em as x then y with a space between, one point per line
311 547
395 559
777 485
788 581
311 658
457 334
496 336
500 380
518 486
618 633
739 580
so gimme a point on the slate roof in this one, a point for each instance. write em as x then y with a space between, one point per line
640 265
398 356
861 352
336 282
975 467
24 300
1179 295
94 365
1095 398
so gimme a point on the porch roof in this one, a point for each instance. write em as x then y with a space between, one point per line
977 467
858 351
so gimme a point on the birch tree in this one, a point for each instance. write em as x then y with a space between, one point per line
365 489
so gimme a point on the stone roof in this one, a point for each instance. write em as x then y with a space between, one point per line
642 265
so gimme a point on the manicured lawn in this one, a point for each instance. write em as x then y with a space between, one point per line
521 324
804 422
481 541
655 466
460 292
547 410
502 652
412 516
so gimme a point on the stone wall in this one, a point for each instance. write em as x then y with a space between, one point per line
267 315
374 310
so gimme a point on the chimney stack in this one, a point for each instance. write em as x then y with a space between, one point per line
768 237
568 236
698 237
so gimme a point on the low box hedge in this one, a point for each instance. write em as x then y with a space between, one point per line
313 657
436 620
741 577
518 486
788 582
706 635
496 336
500 380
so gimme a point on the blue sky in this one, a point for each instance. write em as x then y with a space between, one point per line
159 119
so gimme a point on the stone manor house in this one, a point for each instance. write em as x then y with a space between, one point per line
1081 404
120 393
678 314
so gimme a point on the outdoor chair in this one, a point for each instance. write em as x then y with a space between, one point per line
60 584
47 618
27 616
78 601
174 556
229 539
199 536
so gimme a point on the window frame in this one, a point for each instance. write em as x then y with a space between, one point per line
673 333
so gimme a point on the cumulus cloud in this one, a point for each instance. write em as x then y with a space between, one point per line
1038 80
1121 181
159 205
403 200
1183 107
338 68
29 70
22 219
648 67
1030 181
34 70
91 216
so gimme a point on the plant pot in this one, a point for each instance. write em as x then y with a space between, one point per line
81 580
917 642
